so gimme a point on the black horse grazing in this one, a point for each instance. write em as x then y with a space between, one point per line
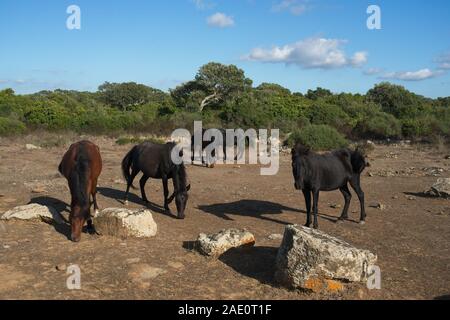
315 172
204 144
155 161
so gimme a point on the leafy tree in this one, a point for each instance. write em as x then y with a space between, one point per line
125 95
213 84
318 93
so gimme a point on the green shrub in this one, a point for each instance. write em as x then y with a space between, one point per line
11 127
329 114
420 127
48 116
318 137
380 125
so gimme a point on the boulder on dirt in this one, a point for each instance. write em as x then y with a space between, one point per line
31 147
214 245
441 189
123 223
377 205
310 259
34 212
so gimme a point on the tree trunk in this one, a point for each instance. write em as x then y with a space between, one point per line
208 100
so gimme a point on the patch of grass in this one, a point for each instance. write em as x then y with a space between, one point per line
137 140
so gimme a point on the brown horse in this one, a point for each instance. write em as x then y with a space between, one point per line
81 165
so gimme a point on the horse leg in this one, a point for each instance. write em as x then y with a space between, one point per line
133 175
355 182
94 198
166 194
142 183
316 208
307 194
348 197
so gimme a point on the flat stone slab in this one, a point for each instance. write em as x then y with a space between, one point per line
34 212
214 245
124 223
311 259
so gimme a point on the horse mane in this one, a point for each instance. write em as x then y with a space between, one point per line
180 173
358 160
79 177
301 150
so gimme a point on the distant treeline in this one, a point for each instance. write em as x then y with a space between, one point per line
222 96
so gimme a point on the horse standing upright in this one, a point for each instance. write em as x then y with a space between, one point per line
316 172
155 161
81 165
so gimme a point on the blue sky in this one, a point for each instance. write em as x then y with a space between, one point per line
300 44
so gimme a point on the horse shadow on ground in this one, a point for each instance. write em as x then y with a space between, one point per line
119 195
254 262
61 207
420 195
253 208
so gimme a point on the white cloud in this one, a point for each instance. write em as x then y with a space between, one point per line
310 53
444 61
296 7
419 75
359 58
220 20
203 4
373 71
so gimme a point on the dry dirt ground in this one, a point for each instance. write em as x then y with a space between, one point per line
411 235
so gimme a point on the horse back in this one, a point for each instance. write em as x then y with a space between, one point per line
82 151
154 159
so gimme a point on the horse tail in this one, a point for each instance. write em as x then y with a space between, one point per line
80 178
127 163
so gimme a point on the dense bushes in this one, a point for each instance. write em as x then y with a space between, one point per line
318 137
10 127
378 125
222 96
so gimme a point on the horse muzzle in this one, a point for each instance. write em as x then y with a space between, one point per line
75 238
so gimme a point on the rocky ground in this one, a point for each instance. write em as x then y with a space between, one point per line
408 230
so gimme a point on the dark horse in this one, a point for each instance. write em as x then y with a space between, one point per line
81 165
155 161
204 144
315 172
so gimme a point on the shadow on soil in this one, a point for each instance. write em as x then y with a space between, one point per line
119 195
253 208
61 207
420 195
254 262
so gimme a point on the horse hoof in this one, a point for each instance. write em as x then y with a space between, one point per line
125 202
96 213
362 223
340 221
